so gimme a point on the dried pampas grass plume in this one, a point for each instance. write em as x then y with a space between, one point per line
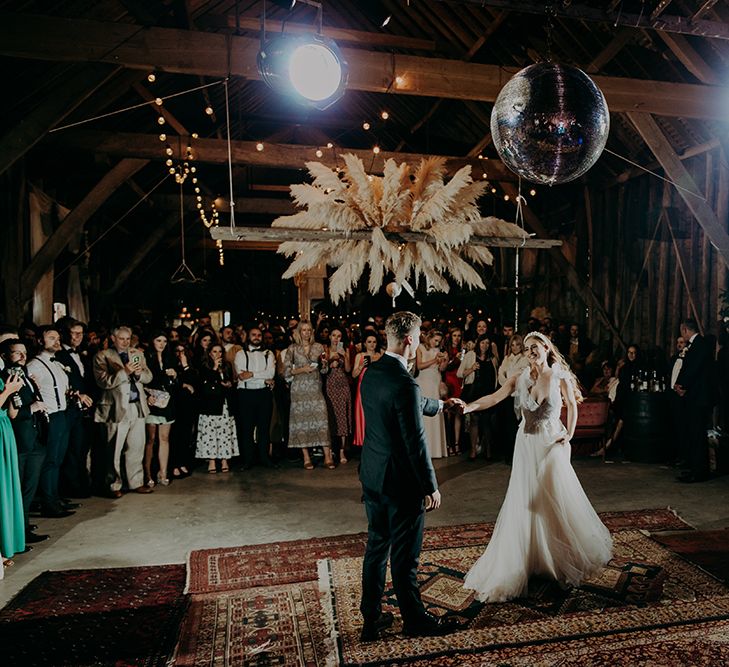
445 212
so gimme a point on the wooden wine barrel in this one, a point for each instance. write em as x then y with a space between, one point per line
646 427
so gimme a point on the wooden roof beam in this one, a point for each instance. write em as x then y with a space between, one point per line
689 191
74 222
75 88
191 52
281 156
690 59
340 35
668 23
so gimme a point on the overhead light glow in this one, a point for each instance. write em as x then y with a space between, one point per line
310 67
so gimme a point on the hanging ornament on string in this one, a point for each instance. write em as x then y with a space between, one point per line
550 123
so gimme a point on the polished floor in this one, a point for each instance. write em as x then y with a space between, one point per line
290 503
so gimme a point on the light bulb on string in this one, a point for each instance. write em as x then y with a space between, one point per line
259 146
169 162
384 115
506 197
158 101
318 152
163 137
330 145
376 150
161 120
169 150
533 192
151 77
209 110
365 126
195 135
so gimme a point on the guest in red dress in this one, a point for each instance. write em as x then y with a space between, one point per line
370 353
454 349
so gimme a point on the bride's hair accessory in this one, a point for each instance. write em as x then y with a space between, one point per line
540 336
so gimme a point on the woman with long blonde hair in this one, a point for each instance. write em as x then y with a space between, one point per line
546 525
308 420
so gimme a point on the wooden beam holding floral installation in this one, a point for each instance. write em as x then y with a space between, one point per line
406 223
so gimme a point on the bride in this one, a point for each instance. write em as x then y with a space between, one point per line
546 525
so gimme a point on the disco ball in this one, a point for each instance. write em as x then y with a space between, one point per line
550 123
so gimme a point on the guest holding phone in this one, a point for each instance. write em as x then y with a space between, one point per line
338 393
371 352
30 425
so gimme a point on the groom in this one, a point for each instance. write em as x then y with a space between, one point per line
398 483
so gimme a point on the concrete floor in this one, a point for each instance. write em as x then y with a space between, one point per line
261 506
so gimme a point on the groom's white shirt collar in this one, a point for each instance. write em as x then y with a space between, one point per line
399 357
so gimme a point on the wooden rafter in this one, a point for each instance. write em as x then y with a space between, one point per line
191 52
76 87
75 221
668 23
688 190
690 59
340 35
284 156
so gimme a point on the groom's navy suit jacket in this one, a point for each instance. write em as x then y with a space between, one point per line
395 459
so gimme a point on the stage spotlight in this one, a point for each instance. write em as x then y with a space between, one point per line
309 67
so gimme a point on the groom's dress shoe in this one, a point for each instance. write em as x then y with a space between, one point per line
430 626
371 630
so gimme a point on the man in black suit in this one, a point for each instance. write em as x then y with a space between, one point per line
693 386
398 483
75 481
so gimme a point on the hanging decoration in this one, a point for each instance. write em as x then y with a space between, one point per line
446 213
550 123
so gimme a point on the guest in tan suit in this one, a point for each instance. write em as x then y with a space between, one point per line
121 371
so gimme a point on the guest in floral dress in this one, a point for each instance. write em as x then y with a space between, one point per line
308 420
216 436
338 394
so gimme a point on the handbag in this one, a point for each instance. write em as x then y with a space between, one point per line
160 398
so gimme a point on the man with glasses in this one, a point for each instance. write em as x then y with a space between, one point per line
121 373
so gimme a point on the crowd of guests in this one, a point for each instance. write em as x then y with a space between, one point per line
84 410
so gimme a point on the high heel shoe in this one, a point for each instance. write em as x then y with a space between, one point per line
162 481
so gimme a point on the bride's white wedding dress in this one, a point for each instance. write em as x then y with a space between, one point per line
546 525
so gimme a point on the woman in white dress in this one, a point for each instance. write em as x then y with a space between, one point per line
431 361
546 525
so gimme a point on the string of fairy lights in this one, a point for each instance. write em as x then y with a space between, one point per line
183 168
370 126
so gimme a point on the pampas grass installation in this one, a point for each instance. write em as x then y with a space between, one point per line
400 200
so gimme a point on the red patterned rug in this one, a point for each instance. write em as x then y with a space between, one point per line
117 617
238 568
645 588
708 549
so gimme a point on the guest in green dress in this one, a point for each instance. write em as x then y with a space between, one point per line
12 523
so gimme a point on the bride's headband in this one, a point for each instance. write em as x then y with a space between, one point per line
540 336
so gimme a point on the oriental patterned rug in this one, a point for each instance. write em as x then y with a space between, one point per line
640 603
116 616
237 568
709 549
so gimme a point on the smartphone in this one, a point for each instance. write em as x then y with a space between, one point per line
367 360
136 359
340 347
